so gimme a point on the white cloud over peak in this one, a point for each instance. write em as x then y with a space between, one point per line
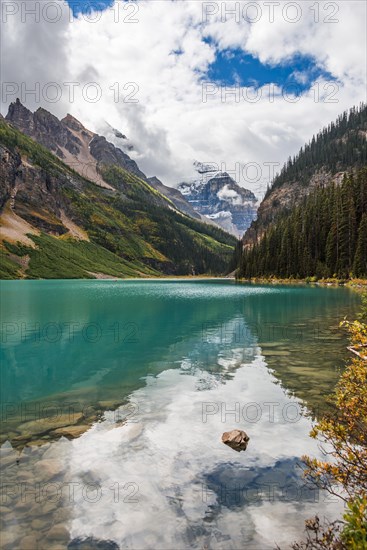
161 61
230 195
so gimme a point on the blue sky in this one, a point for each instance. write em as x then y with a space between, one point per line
237 67
85 6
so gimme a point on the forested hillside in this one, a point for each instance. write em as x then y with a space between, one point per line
312 221
336 150
325 236
337 147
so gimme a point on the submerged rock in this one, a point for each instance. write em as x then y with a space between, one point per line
47 469
71 431
57 533
236 439
92 543
30 542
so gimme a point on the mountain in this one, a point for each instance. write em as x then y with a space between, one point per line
313 219
73 205
82 150
335 151
175 196
218 197
120 141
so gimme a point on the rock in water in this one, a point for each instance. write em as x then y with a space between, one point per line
90 543
236 439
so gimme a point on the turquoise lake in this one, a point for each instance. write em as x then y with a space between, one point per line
148 375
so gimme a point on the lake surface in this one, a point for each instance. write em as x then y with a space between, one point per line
148 375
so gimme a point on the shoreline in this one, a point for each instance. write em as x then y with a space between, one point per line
117 279
359 283
354 283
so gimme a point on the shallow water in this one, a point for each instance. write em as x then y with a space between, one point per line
159 370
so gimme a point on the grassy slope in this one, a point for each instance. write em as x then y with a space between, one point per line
133 232
8 268
70 259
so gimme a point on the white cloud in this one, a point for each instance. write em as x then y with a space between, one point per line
171 126
300 76
229 195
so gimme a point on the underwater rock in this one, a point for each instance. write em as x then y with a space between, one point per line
92 543
71 431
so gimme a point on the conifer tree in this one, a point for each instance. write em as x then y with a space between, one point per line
360 259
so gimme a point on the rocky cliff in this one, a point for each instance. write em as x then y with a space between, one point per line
221 199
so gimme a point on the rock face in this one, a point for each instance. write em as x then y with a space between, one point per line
120 140
45 128
10 162
175 196
32 191
85 151
236 439
106 153
222 200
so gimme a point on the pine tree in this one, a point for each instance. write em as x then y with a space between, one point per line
360 259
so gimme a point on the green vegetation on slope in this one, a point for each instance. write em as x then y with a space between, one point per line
336 148
135 231
13 139
8 268
326 236
70 259
135 225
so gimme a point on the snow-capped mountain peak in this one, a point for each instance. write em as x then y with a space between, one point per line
218 196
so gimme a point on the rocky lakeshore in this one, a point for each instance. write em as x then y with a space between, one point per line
59 421
39 491
30 510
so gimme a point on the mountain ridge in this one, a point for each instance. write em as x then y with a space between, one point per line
65 220
82 149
